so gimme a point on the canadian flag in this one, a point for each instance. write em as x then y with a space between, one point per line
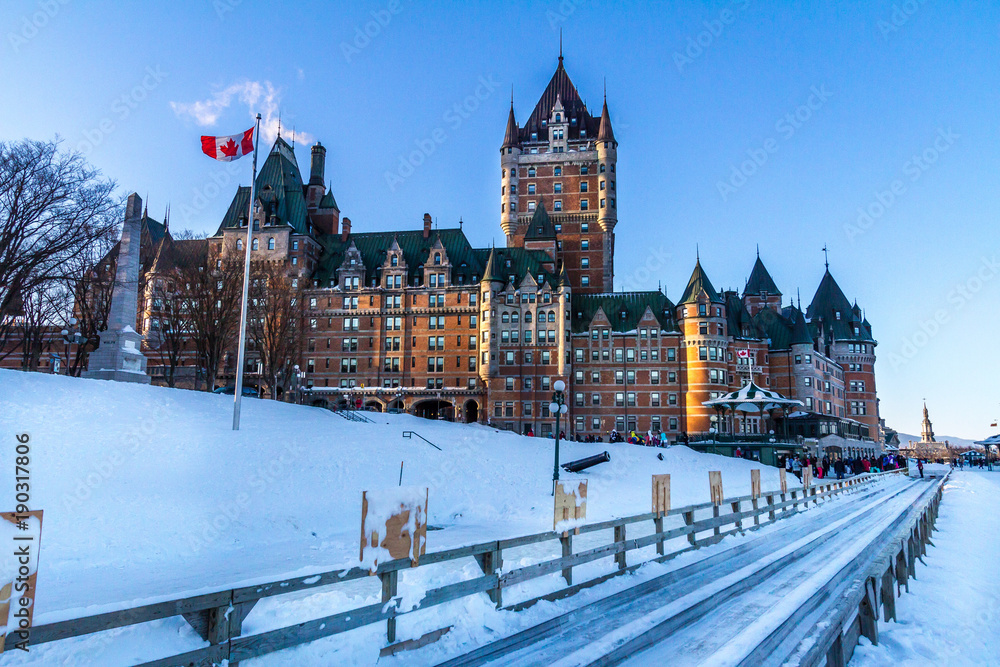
228 148
743 354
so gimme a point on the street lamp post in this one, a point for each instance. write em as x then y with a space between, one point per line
69 337
559 407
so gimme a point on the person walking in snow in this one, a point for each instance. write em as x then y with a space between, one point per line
920 467
839 468
797 467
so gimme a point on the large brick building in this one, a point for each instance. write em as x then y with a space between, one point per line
419 320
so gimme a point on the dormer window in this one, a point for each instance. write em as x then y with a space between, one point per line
534 136
838 314
394 261
544 122
558 117
507 263
572 121
437 258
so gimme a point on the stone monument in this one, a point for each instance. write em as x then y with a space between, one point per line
119 356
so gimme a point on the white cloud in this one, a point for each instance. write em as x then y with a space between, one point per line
258 97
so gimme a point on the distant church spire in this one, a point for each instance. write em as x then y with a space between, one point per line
926 430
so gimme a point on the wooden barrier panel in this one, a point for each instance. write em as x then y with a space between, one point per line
23 533
715 486
755 484
784 480
397 516
570 506
661 494
807 477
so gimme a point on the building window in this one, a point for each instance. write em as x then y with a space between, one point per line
557 205
270 243
585 263
531 206
585 281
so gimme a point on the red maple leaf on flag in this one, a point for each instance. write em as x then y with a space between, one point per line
229 148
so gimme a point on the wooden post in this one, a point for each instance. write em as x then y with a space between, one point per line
770 504
620 537
489 563
755 494
566 539
795 505
736 505
715 514
661 506
783 478
390 584
867 615
658 527
689 521
888 599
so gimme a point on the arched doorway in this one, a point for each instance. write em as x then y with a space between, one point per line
318 403
395 406
434 409
471 412
373 405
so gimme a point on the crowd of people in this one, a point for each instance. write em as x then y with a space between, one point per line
840 467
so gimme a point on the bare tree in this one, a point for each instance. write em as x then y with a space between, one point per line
35 326
211 301
274 319
90 279
53 208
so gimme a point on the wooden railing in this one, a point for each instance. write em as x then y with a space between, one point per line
218 617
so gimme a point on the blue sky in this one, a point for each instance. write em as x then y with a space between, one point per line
878 107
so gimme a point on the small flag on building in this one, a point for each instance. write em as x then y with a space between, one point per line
743 354
228 148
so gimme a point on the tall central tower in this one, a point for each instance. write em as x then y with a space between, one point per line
564 159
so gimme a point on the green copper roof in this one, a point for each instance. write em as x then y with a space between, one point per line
623 309
698 283
520 263
738 320
760 281
466 263
328 201
491 272
279 189
540 228
831 310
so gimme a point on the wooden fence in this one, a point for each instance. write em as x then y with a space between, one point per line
218 617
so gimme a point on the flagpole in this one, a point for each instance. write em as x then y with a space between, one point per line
246 286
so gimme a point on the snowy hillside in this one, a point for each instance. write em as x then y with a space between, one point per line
148 493
953 441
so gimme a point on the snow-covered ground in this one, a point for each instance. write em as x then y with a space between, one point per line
149 495
951 615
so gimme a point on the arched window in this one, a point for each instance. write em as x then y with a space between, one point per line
531 172
255 244
394 261
270 243
552 316
514 317
239 244
437 258
527 317
505 317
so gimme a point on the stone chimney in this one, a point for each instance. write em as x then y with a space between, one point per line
427 225
346 231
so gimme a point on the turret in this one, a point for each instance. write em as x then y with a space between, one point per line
510 154
701 313
491 283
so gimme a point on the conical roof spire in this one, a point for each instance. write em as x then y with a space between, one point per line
800 330
605 133
510 137
760 280
699 282
491 272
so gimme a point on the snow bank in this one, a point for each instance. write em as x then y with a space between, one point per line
951 613
149 494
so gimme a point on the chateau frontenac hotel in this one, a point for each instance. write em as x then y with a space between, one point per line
419 320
